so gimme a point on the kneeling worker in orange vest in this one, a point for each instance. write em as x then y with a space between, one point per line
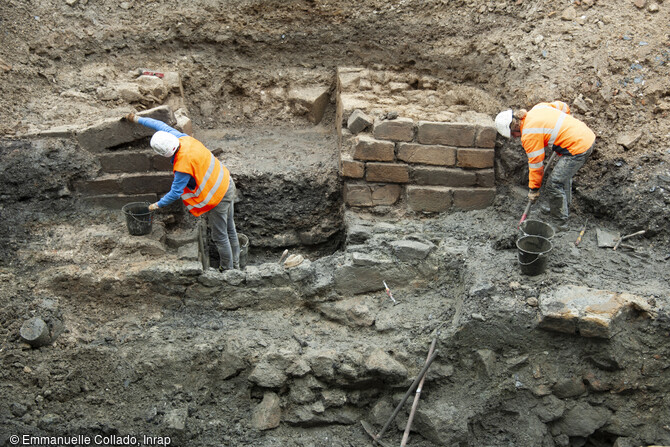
550 125
202 183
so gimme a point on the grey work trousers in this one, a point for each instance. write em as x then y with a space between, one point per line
559 186
224 234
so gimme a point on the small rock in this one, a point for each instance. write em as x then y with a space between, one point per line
532 301
628 140
18 409
639 4
408 250
35 332
359 121
569 14
267 375
653 7
176 419
573 387
267 414
381 363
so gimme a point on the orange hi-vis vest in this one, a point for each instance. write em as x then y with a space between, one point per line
550 125
211 177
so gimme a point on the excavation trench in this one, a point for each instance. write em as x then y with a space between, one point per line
146 339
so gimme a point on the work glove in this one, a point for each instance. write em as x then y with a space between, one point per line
131 117
533 195
153 206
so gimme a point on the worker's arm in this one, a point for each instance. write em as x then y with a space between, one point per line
178 184
159 125
533 144
154 124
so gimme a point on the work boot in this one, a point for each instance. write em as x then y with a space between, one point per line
560 225
221 269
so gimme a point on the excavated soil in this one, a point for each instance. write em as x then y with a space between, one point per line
143 347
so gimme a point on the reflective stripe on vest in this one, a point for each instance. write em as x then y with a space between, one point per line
211 177
219 179
546 130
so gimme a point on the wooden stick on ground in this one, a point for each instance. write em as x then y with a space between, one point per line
623 238
415 404
411 389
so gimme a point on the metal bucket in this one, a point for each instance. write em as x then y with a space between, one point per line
533 252
532 227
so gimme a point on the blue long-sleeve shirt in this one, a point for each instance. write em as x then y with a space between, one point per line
181 179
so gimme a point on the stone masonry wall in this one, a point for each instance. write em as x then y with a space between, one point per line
414 164
428 166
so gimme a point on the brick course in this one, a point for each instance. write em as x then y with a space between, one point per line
425 175
473 198
387 172
475 158
399 129
451 134
353 169
370 149
429 198
427 154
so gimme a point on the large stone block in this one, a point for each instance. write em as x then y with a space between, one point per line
125 162
160 163
588 312
486 137
357 195
103 185
310 100
369 149
430 175
429 198
399 129
427 154
475 158
116 201
450 134
385 194
115 131
139 184
387 172
352 169
473 198
486 178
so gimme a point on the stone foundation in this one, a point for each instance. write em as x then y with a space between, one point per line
427 161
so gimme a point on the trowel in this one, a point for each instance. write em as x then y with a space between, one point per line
606 238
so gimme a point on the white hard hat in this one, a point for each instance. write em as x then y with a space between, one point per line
503 120
164 143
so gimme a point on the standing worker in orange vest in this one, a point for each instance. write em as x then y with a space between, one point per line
201 181
550 126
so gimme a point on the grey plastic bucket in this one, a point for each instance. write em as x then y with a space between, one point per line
244 249
532 227
533 252
138 218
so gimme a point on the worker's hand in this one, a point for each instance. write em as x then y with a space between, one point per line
533 194
131 117
153 207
